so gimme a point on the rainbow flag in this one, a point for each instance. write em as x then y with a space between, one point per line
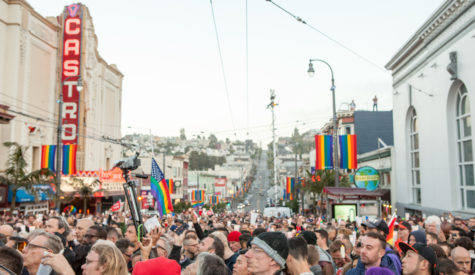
48 154
197 203
348 152
70 209
390 236
324 150
170 185
213 199
197 198
160 191
290 184
69 159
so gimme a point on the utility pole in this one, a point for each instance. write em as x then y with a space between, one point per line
271 105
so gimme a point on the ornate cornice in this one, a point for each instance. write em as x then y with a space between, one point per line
437 23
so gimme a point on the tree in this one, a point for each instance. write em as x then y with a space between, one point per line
213 141
16 175
84 189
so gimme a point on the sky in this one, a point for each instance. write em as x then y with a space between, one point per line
173 73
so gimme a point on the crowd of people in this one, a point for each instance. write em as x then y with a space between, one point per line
234 243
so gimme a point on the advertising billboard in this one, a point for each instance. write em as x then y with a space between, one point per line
367 177
344 211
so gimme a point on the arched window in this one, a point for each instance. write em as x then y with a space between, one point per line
464 149
415 164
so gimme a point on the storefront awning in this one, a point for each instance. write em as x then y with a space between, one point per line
347 193
43 192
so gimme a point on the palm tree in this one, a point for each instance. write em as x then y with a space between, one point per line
16 175
86 190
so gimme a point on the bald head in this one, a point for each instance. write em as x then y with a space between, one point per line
81 228
6 230
461 258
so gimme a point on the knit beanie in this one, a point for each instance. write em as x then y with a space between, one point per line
234 236
160 265
274 244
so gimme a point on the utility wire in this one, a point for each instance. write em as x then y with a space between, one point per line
247 73
330 38
222 64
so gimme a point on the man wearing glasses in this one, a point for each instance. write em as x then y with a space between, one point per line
34 251
268 253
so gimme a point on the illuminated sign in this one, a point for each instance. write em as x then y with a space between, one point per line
71 66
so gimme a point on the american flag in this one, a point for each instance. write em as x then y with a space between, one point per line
156 172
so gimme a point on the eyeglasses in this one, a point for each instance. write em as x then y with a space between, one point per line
2 267
32 245
89 236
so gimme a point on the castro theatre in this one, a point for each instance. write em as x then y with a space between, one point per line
44 60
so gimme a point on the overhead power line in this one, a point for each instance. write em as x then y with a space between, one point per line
330 38
222 64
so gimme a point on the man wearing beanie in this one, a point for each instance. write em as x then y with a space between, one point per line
268 253
233 240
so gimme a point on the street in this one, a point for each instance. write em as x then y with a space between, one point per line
260 186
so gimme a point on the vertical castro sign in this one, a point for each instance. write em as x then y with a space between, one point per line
71 72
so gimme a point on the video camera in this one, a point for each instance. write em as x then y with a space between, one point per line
130 163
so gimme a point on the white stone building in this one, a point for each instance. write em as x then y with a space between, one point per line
434 91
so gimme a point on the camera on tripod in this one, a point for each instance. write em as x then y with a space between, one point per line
129 164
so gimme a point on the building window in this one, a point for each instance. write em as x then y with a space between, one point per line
36 158
465 150
415 164
347 130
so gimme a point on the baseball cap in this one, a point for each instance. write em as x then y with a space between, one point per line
379 224
421 249
404 225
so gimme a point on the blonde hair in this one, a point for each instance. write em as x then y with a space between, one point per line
110 258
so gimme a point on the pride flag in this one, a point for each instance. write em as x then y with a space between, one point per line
170 185
324 150
197 198
213 199
69 159
290 184
390 236
159 190
48 154
348 152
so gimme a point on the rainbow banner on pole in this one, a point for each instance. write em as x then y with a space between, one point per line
324 150
197 198
348 152
290 185
213 199
69 159
160 191
48 155
170 185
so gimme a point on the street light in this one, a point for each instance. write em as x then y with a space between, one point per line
311 73
79 87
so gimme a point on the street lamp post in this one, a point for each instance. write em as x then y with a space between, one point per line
311 73
59 134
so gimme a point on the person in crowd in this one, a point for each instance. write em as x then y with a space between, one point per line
325 260
403 230
126 248
240 267
244 239
331 233
160 265
439 252
447 248
131 235
113 234
298 255
433 224
267 254
447 267
81 228
313 259
419 259
36 248
95 233
229 256
105 259
6 231
432 238
211 244
233 240
372 251
418 236
11 261
322 239
461 258
339 253
57 224
211 264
